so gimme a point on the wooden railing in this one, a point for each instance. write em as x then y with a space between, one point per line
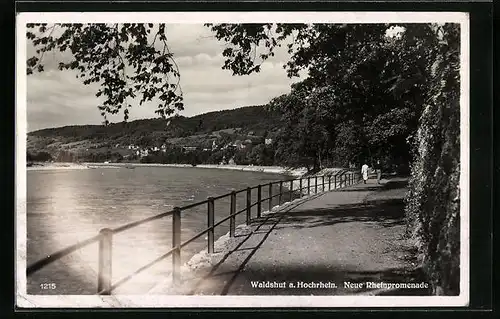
341 179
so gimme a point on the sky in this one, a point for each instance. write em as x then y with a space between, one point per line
57 98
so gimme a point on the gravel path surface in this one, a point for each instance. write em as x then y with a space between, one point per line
330 244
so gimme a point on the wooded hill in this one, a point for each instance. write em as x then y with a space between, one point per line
252 122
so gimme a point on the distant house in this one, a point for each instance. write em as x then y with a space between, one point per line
156 149
268 141
251 133
238 144
189 148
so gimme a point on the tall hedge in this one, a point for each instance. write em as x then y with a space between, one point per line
433 200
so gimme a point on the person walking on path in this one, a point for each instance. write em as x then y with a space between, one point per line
378 169
364 172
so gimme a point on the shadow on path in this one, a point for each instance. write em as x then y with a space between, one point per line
395 184
388 212
241 269
270 220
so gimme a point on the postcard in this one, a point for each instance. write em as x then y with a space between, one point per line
242 159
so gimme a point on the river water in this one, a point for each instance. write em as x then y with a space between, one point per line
67 206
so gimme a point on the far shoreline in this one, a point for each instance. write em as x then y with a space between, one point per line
247 168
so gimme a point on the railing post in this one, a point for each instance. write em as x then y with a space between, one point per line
259 201
335 181
291 190
232 211
300 187
270 196
315 184
105 259
176 244
281 193
323 183
330 182
308 185
249 203
210 223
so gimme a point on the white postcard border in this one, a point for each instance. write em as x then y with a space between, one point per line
155 301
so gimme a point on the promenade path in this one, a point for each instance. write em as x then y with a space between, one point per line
353 235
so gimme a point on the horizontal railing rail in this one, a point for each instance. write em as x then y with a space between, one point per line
340 179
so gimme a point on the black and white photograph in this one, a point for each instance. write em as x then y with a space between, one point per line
242 159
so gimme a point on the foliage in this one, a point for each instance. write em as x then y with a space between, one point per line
305 133
65 156
433 203
370 96
38 157
258 155
357 102
121 58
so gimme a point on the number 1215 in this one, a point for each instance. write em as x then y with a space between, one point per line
46 286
